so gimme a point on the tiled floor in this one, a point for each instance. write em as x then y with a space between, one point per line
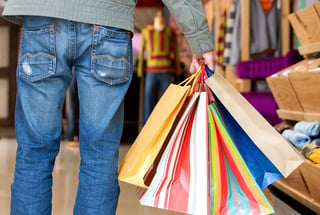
65 183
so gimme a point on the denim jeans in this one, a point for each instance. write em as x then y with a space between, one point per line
155 85
102 57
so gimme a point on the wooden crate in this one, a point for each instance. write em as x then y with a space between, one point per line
311 175
307 88
296 181
296 90
303 186
305 23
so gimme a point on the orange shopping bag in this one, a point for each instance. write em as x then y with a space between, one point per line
142 154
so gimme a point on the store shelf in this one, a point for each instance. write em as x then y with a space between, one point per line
298 116
302 185
301 197
309 48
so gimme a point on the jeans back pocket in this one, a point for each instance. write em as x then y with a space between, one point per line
111 55
37 58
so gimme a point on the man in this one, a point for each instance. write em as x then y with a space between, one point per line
94 37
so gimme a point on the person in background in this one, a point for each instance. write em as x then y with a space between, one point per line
71 134
160 42
94 37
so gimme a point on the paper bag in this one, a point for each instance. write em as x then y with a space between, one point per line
267 139
143 152
181 180
261 168
145 148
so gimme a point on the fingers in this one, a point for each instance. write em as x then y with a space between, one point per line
208 58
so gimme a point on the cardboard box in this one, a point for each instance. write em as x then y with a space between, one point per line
296 90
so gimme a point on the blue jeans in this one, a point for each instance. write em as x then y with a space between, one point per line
155 85
102 57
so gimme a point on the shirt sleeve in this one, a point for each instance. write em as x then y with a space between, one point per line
190 16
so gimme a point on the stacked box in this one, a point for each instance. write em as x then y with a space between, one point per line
297 90
306 23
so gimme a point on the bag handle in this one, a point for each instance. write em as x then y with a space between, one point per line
191 78
206 73
196 80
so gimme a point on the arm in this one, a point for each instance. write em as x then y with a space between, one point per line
190 16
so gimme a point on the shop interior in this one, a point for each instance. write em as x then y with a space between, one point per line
268 50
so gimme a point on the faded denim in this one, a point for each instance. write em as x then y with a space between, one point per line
102 58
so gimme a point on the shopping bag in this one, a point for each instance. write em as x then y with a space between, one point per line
263 135
141 155
234 190
261 168
181 180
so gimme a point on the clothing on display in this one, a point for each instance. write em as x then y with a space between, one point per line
265 30
302 133
308 128
312 151
160 42
229 31
221 38
296 138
